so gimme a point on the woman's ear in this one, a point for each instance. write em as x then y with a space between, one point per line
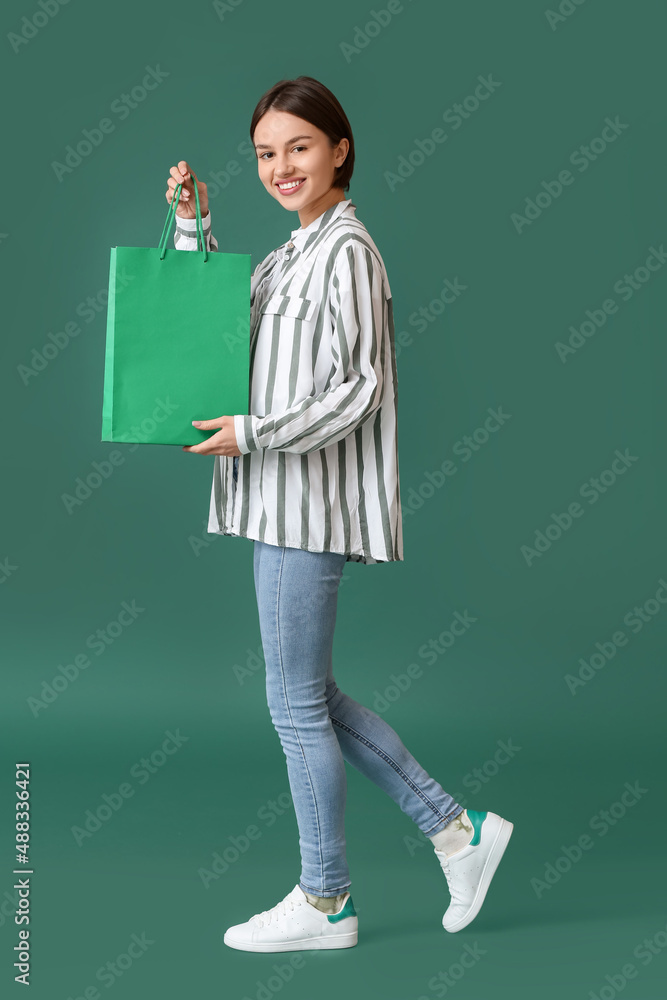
342 151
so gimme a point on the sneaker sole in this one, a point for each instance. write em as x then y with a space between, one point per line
493 860
305 944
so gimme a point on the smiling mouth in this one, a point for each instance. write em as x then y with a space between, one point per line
291 185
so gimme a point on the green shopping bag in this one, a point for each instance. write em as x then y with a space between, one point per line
177 339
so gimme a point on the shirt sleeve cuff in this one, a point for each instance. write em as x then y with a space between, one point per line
244 428
192 223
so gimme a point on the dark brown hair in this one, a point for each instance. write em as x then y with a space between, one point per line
309 99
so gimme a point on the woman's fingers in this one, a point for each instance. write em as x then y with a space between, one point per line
206 425
182 174
171 188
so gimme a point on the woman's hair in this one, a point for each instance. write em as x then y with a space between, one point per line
309 99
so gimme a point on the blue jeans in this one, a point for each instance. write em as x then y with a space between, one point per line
319 726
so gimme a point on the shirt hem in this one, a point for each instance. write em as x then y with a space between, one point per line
364 557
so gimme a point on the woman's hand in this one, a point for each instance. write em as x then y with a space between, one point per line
187 203
222 443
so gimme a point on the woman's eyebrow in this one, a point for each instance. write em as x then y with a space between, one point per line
264 146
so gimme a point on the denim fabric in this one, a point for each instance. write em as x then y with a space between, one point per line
319 726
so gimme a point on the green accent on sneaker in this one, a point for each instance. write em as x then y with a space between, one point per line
347 911
476 818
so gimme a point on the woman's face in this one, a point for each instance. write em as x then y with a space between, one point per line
292 149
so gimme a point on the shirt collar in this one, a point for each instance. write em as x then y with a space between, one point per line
300 237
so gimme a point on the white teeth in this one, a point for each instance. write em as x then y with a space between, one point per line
290 185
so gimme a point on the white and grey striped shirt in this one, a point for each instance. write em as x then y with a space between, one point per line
319 463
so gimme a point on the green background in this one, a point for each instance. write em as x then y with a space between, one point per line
182 665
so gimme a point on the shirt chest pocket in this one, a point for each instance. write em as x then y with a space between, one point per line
293 306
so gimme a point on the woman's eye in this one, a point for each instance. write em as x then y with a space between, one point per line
268 153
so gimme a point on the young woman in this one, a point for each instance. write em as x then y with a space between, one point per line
311 475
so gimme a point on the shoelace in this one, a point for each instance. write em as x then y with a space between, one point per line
444 862
265 915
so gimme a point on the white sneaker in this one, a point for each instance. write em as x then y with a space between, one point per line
294 924
470 870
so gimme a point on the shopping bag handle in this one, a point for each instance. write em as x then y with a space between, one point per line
171 214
